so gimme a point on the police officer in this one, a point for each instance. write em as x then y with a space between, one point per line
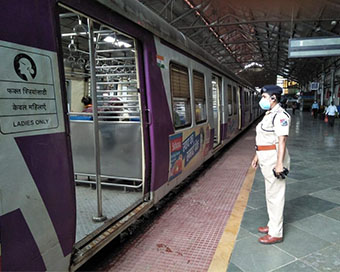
273 158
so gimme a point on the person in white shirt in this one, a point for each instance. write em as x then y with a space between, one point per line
330 112
315 109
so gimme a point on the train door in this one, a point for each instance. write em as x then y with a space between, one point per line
37 204
246 108
216 83
229 104
239 107
251 101
106 128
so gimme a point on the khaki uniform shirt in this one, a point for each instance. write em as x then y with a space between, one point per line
275 123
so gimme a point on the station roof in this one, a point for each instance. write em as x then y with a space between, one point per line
251 37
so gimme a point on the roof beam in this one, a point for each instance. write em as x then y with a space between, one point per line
257 22
189 11
251 41
257 35
165 6
278 47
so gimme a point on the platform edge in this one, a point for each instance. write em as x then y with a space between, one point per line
226 244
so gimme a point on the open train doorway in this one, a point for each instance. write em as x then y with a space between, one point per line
216 83
106 131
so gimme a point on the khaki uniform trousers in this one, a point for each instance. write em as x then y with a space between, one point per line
275 190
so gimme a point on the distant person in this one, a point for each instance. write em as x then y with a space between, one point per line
315 109
330 112
294 107
87 101
111 108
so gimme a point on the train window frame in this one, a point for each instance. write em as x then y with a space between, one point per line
230 99
234 100
246 100
204 103
175 99
253 99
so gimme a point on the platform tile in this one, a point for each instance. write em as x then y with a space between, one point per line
327 259
321 226
251 256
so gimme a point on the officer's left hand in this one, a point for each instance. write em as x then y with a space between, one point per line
281 175
279 168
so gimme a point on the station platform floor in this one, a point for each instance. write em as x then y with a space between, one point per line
211 224
312 207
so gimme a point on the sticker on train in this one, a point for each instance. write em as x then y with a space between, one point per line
27 90
160 61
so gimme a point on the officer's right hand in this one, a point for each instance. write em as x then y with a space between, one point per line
255 162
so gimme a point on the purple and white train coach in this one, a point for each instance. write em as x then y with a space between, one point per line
72 176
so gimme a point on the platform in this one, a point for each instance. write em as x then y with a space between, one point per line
184 237
312 208
201 229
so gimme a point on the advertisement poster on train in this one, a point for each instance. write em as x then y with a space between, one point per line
176 160
191 146
187 149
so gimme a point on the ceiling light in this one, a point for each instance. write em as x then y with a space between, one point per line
110 39
123 44
333 22
113 39
253 64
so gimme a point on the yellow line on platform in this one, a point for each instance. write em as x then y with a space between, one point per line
225 247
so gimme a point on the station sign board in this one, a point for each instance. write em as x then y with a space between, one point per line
314 47
314 86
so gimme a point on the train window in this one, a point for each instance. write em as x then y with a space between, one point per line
199 93
116 72
235 99
179 84
246 100
230 100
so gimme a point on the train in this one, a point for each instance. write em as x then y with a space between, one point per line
73 178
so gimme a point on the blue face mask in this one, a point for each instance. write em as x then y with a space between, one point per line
264 104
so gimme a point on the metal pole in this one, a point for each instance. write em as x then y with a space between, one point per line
332 85
100 217
322 87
